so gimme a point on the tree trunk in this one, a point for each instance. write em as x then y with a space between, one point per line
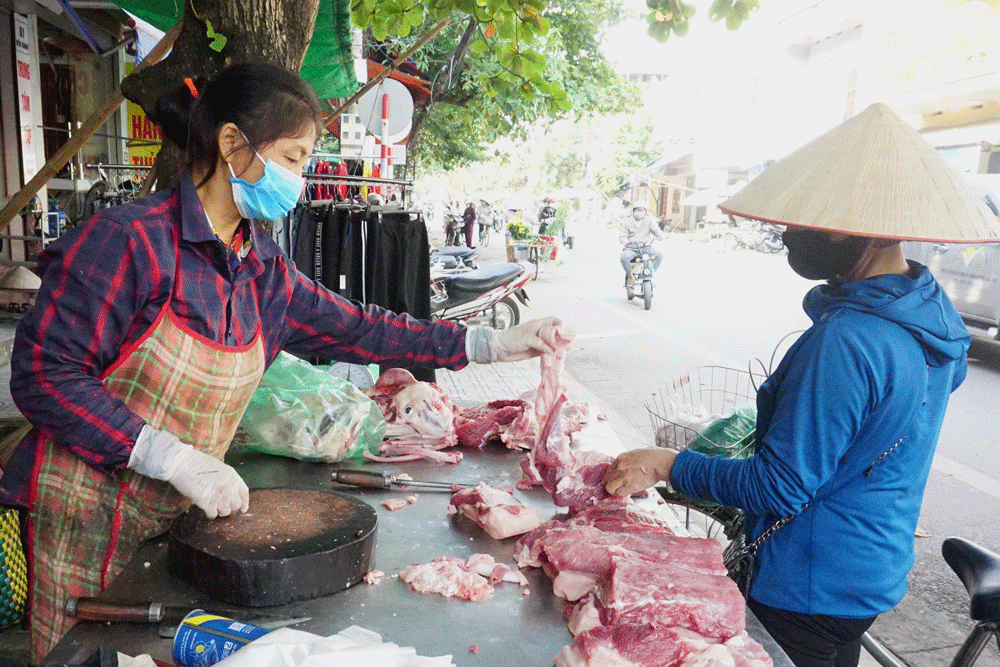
444 82
276 31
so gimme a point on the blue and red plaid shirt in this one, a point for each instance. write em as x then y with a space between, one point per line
104 284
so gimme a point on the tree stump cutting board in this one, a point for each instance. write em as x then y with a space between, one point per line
292 545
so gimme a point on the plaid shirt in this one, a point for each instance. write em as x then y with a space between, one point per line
105 282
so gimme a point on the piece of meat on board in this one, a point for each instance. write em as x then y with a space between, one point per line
497 511
470 579
447 576
644 645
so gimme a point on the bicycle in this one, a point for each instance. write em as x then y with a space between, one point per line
484 234
979 570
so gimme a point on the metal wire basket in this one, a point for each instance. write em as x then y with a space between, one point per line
713 390
718 391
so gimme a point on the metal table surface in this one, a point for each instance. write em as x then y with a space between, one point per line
510 629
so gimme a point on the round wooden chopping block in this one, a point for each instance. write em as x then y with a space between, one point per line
291 545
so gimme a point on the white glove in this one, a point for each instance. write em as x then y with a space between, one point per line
209 483
484 345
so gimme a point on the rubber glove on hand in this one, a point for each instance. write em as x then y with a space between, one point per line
206 481
639 469
484 345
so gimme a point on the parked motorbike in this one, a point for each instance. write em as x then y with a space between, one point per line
451 259
762 237
486 296
768 239
641 284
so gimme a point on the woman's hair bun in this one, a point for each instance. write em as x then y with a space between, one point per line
173 112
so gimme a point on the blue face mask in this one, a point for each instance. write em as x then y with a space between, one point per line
271 197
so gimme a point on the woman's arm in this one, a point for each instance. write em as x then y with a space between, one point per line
820 404
323 323
95 279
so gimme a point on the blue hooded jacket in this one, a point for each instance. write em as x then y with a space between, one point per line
846 430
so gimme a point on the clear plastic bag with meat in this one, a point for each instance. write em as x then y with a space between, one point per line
301 412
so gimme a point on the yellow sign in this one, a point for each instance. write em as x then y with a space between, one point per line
140 131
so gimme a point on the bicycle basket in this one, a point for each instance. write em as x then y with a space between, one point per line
692 410
709 408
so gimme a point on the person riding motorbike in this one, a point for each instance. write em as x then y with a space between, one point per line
637 231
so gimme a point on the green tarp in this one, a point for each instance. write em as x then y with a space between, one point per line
328 65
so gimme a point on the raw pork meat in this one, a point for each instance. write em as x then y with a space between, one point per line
477 426
576 557
644 645
420 418
573 479
499 513
620 515
636 591
393 504
448 577
470 579
522 433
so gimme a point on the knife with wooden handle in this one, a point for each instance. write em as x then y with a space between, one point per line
168 618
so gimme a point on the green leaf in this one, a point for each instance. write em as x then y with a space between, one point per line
478 47
415 16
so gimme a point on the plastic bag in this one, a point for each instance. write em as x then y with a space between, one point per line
302 412
729 436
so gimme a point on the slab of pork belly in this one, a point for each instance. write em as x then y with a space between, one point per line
576 556
497 511
637 590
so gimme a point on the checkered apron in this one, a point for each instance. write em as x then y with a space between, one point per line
86 525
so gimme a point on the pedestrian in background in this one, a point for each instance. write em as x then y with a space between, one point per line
469 218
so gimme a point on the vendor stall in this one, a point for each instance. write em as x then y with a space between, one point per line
514 627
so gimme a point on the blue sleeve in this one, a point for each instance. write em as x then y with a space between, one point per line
823 395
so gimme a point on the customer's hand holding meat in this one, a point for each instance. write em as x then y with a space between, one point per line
484 345
638 469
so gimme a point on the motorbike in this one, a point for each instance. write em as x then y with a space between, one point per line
768 239
452 259
486 296
641 284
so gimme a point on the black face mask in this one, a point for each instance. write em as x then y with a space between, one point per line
812 254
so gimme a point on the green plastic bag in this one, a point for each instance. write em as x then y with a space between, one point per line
302 412
730 436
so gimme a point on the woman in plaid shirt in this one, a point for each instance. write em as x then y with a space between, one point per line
154 325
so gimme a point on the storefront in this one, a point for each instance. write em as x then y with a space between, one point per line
65 60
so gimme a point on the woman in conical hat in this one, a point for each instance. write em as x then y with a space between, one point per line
848 423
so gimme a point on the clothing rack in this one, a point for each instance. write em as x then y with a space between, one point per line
372 254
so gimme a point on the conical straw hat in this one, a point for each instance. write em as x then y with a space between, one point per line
872 175
21 279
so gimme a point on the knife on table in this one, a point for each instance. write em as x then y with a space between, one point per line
168 618
380 480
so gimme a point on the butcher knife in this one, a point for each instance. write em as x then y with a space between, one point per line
380 480
168 618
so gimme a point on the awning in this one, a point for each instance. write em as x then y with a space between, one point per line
329 63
